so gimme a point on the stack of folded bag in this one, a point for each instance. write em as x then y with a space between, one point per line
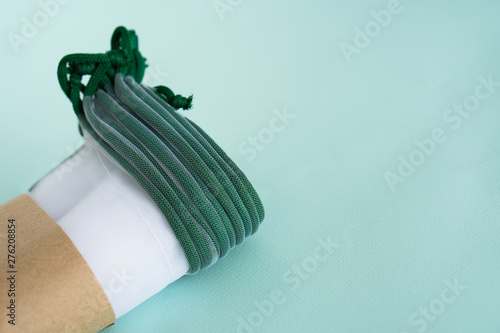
150 196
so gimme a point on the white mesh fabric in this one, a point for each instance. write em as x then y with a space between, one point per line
116 226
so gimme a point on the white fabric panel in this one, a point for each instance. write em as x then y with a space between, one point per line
117 227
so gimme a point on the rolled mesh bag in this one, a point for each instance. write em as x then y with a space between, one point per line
149 197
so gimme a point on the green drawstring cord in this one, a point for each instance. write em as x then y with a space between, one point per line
176 101
236 176
208 201
124 58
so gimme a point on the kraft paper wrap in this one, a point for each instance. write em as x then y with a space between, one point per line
55 290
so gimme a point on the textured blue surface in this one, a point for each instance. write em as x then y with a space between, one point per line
390 152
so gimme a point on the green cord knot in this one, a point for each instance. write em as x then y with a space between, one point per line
124 57
176 101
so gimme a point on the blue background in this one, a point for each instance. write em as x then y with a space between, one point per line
416 253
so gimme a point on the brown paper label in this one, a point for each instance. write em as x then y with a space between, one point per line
45 283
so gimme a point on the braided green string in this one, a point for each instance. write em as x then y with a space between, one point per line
124 57
209 203
206 210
